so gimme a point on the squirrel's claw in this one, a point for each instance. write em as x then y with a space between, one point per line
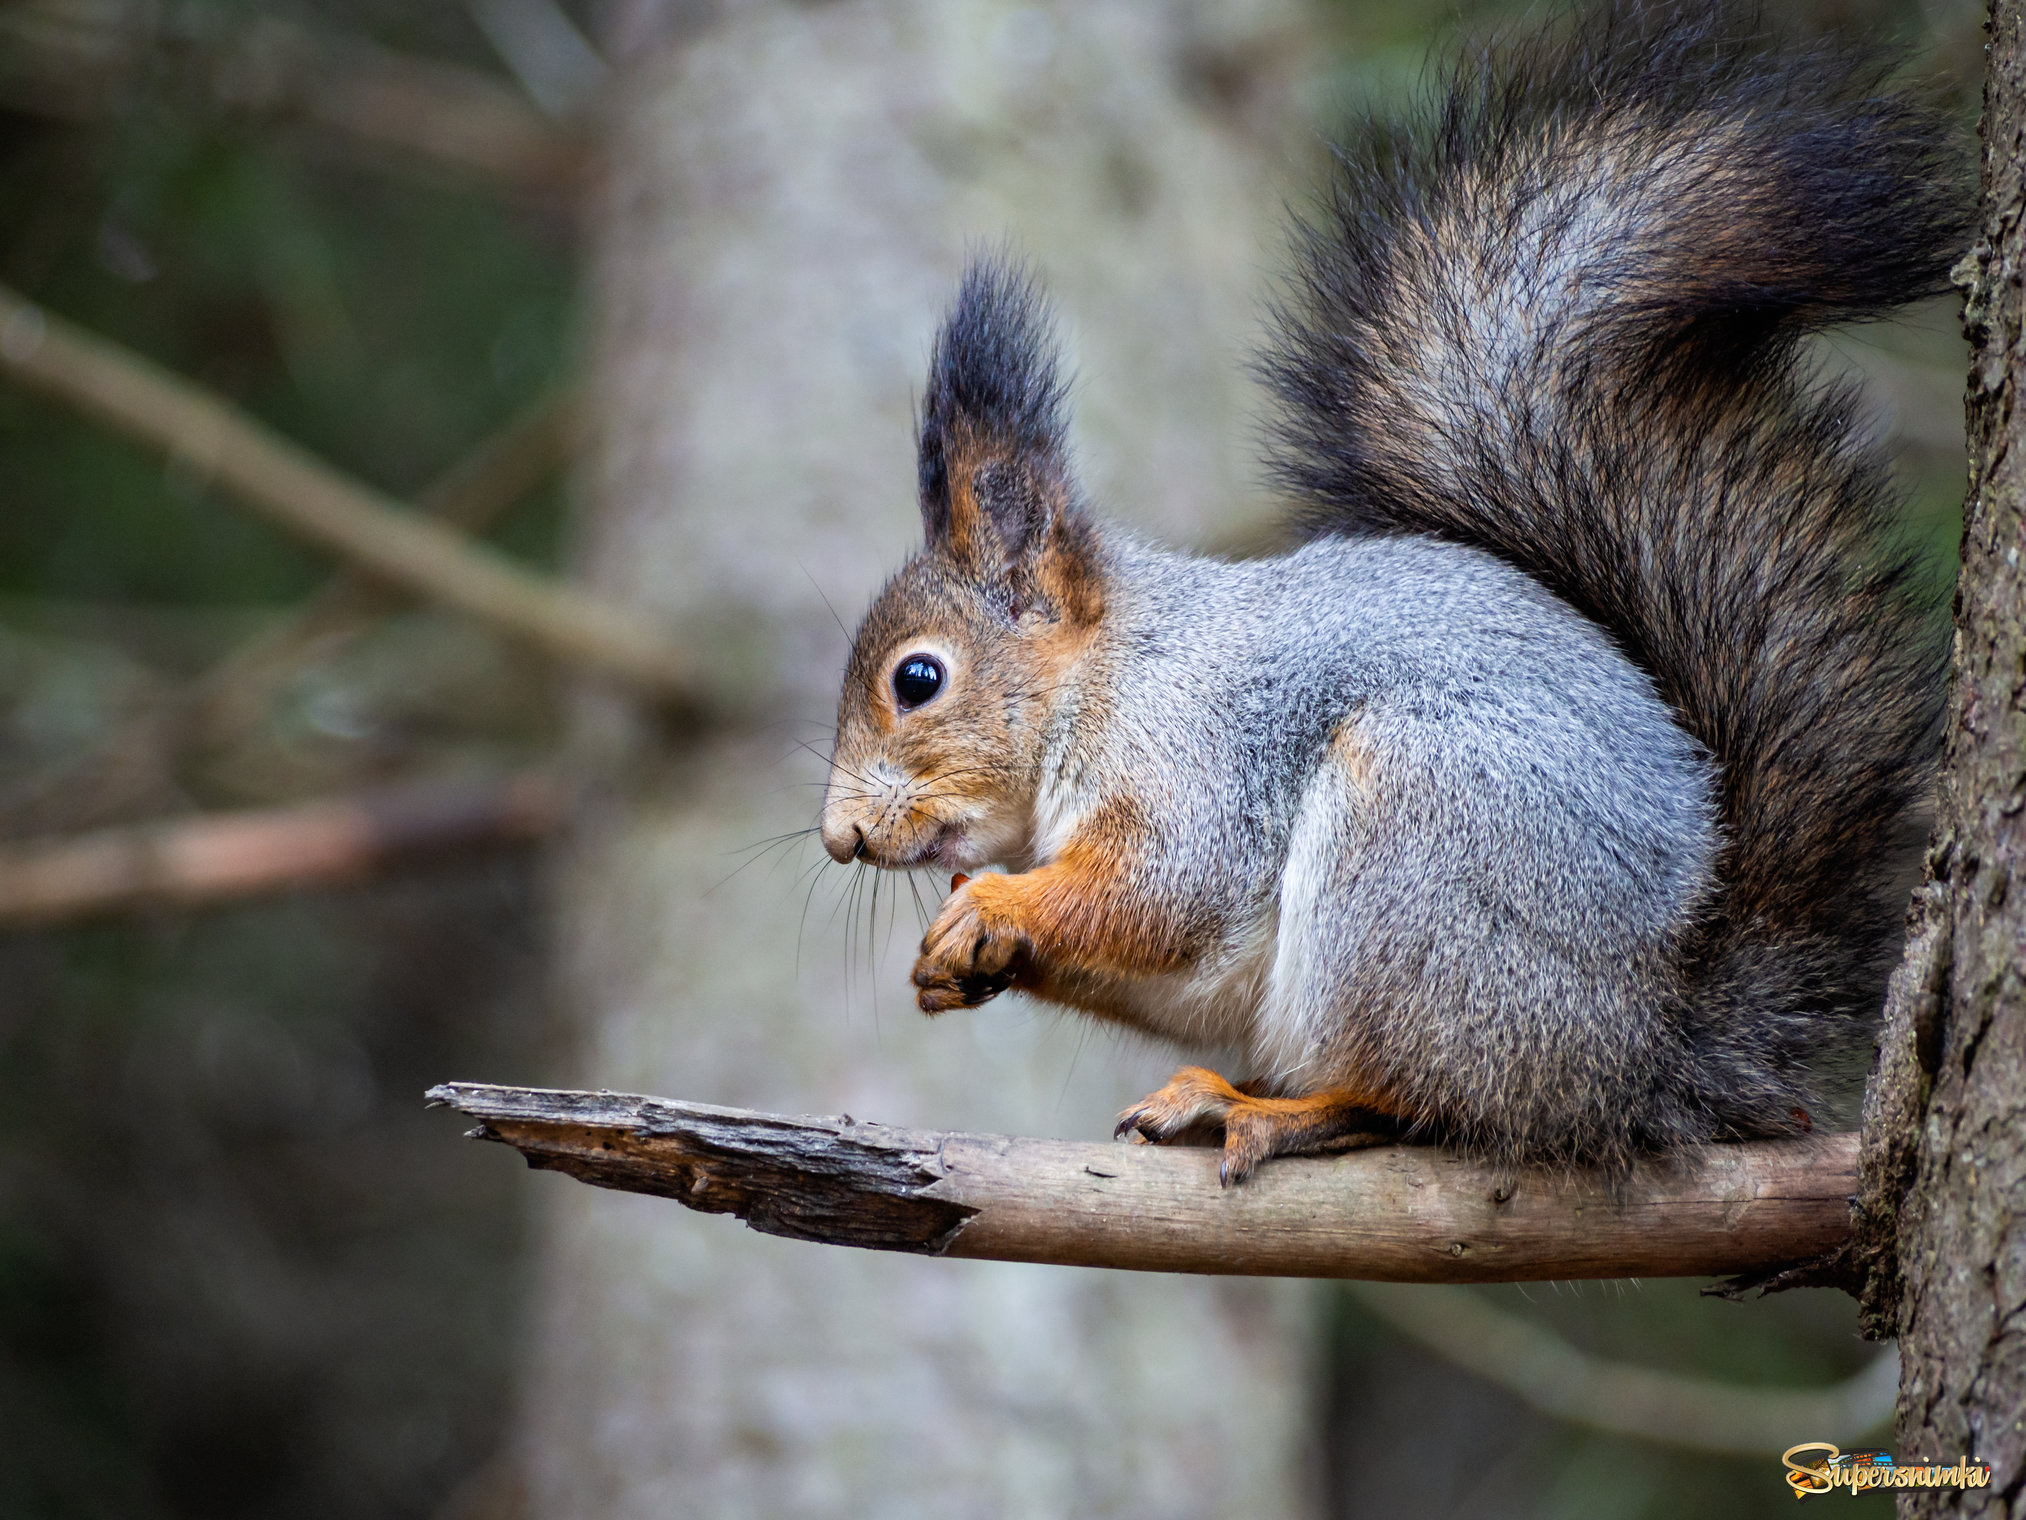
1196 1102
940 992
1188 1110
965 960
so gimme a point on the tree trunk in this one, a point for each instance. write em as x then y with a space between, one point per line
792 191
1944 1200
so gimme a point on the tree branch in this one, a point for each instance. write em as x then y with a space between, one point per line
201 860
228 698
1401 1213
81 58
1546 1373
292 487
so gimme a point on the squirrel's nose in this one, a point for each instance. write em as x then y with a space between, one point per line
843 841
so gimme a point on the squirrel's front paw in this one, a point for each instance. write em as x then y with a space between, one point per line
968 956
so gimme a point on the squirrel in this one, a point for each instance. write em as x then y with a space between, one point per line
1544 798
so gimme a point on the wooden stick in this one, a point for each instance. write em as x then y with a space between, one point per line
212 859
1400 1213
303 494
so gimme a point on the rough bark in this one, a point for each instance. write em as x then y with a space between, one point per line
793 190
1943 1206
1390 1214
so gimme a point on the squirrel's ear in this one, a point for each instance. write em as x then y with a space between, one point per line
994 471
994 512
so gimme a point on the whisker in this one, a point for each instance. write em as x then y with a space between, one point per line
772 839
814 877
1083 1028
854 901
833 762
826 603
914 886
758 852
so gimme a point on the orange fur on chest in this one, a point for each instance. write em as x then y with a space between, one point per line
1082 911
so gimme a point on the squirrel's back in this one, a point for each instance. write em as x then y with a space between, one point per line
1560 323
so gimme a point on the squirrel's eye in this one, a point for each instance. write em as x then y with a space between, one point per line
916 679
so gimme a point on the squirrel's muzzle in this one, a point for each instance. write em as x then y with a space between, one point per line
844 841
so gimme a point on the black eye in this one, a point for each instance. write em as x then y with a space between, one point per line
916 679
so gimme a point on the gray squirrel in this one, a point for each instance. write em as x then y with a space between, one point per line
1543 800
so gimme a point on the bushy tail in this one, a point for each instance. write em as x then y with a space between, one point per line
1560 322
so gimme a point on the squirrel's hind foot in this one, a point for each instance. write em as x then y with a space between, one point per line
1196 1103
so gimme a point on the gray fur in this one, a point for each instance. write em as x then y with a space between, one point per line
1493 909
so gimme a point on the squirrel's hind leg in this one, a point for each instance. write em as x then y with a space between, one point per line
1255 1127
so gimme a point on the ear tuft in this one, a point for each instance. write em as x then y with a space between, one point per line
996 403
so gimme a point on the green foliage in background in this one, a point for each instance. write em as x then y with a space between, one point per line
386 323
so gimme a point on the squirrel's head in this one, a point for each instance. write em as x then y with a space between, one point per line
959 665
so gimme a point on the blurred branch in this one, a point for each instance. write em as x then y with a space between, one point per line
137 769
84 58
214 859
1702 1414
295 489
228 699
554 62
1399 1213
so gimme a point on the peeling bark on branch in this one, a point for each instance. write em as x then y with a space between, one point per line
1399 1214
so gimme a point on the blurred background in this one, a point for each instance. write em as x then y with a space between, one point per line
636 295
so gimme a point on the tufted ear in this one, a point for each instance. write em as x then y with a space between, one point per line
995 512
996 491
